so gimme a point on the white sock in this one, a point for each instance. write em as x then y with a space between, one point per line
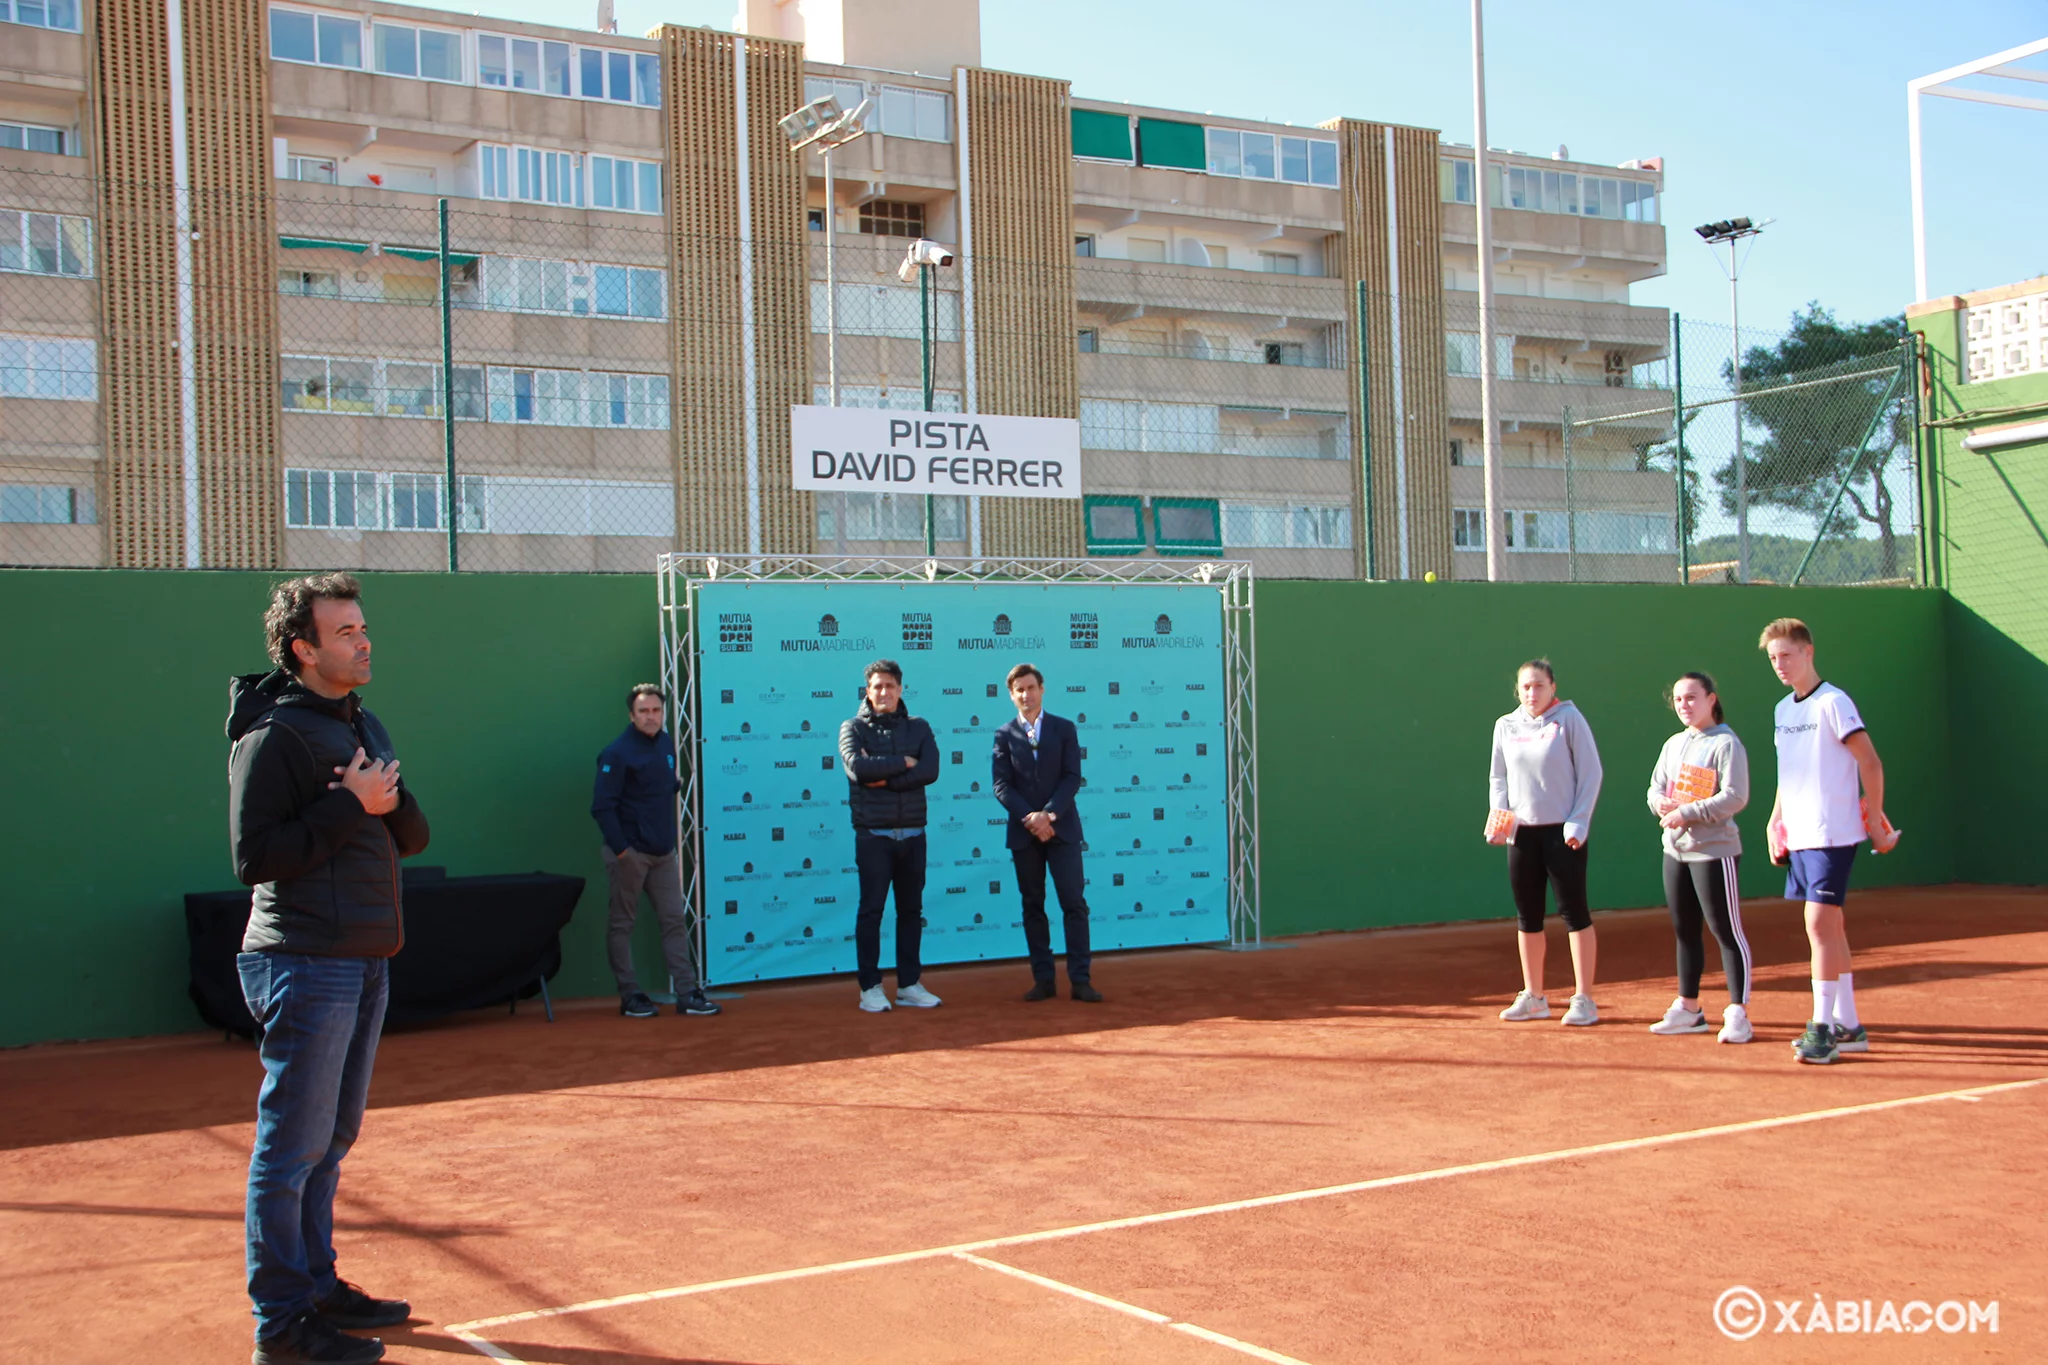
1845 1003
1823 1001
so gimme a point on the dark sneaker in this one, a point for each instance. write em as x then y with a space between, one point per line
1085 992
348 1306
1851 1039
310 1339
1041 990
638 1006
1817 1044
696 1002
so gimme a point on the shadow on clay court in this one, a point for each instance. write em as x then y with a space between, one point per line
1441 973
414 1340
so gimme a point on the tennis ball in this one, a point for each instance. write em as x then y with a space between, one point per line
1429 577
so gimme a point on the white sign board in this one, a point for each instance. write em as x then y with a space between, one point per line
883 450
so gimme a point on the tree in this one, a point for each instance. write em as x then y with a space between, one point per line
1813 433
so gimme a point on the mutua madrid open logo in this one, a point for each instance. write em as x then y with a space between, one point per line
1082 630
917 630
735 632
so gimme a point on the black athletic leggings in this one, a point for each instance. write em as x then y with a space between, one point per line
1707 890
1539 854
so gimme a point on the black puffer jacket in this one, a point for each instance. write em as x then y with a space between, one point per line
325 872
872 749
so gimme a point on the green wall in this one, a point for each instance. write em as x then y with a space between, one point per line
1376 702
1373 753
1990 509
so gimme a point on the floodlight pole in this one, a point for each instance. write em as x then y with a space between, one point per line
831 285
1741 469
924 350
1482 207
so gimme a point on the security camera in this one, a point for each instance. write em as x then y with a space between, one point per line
922 252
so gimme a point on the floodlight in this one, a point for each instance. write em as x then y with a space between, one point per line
823 123
923 252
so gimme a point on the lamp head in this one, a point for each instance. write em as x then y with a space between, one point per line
923 252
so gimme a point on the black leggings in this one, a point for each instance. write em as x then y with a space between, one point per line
1707 890
1539 854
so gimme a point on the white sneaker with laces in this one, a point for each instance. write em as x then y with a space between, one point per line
873 1001
916 997
1528 1005
1735 1025
1582 1011
1679 1019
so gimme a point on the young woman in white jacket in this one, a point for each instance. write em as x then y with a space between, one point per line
1542 788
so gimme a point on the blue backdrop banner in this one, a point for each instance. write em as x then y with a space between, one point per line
1138 668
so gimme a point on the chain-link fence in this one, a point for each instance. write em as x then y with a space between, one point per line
545 395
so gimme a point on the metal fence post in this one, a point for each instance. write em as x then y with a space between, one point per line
1571 506
924 352
1372 566
1678 425
449 501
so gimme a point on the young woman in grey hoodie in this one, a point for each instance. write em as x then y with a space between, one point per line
1546 777
1700 782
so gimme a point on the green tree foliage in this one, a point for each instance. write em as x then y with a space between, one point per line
1800 443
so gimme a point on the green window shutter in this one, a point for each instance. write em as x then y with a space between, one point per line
321 244
1103 135
427 253
1188 526
1115 525
1162 142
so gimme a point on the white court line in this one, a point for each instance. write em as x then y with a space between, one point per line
1118 1305
466 1329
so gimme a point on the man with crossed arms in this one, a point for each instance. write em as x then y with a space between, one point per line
1037 771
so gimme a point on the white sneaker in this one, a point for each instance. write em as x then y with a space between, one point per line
916 997
1582 1011
1528 1005
873 1001
1679 1019
1735 1025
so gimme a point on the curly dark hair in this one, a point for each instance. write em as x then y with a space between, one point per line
290 616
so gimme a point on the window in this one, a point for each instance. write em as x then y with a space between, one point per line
892 218
405 50
1089 340
1144 249
920 114
1187 526
1084 245
1283 352
309 284
1315 527
1262 156
1458 453
1114 525
46 504
61 14
45 243
1279 262
1286 433
532 175
332 499
848 93
324 39
885 310
49 367
1132 424
647 79
1461 353
376 388
902 398
318 170
626 292
1622 533
616 183
891 516
1468 525
1544 191
37 137
574 398
1217 256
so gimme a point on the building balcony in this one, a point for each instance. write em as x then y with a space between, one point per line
1637 251
1542 403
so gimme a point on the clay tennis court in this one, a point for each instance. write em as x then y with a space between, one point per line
1327 1153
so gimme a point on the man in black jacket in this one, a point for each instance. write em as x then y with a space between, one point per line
1037 772
634 804
317 819
890 757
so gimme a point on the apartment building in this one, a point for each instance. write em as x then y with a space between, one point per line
1267 332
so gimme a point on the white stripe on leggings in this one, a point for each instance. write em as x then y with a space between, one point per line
1732 892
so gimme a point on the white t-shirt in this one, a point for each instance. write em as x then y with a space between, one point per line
1819 785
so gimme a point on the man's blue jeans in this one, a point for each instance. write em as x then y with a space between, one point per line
320 1017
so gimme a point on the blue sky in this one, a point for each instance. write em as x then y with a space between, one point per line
1791 110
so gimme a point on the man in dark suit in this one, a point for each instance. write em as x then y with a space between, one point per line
1037 766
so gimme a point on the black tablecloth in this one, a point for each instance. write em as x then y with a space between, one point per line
469 941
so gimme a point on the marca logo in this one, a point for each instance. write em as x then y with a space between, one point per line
781 763
825 695
736 837
1198 687
949 692
735 632
824 900
1163 749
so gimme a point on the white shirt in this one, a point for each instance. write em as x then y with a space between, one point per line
1819 784
1032 726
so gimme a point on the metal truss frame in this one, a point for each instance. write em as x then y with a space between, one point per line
679 577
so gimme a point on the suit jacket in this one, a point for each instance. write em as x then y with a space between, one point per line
1048 779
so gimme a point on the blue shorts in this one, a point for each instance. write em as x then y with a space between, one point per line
1819 875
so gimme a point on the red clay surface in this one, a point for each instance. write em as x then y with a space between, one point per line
510 1165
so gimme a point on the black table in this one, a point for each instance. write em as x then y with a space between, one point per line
469 942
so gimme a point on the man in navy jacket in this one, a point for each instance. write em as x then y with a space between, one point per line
634 804
1037 770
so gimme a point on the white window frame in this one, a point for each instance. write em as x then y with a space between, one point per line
579 395
643 173
379 388
316 15
24 235
10 12
1300 526
50 368
67 141
500 277
462 50
77 503
1223 150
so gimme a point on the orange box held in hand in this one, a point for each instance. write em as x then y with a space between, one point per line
1693 783
1500 826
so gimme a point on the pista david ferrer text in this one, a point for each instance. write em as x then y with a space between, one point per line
868 450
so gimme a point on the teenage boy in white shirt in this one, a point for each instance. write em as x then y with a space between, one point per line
1817 820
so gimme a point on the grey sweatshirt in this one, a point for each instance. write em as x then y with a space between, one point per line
1709 831
1546 769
